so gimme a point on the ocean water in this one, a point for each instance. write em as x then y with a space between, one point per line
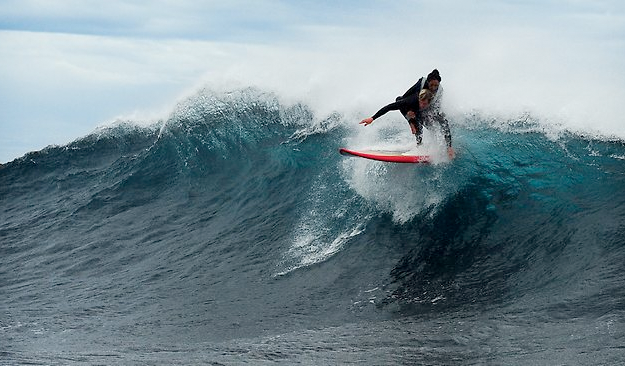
232 232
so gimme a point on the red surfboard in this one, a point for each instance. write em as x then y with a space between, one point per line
388 156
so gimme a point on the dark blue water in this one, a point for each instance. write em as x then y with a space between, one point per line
233 232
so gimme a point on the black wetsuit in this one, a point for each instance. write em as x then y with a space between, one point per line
410 102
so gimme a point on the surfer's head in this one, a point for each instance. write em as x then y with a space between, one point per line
434 75
425 97
433 80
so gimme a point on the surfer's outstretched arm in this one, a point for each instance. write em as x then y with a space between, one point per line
387 108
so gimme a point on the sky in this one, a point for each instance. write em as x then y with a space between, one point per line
70 66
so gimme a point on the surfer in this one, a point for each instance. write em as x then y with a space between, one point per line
418 112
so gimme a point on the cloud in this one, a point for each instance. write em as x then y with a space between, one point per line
183 19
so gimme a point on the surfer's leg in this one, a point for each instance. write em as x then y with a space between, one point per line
419 137
417 131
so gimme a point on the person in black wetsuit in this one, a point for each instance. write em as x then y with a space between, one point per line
419 114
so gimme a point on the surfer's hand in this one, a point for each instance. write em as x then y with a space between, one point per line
451 153
366 121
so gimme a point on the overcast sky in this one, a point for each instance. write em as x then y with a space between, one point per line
68 66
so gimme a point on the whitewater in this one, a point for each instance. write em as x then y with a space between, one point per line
233 232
